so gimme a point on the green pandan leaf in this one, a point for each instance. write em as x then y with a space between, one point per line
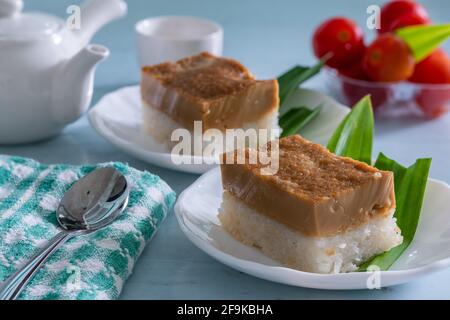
410 186
424 39
354 136
293 78
296 119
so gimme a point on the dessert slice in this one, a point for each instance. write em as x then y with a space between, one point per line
219 92
319 213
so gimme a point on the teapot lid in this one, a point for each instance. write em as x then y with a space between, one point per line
15 25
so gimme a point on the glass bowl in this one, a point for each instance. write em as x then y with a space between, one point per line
391 99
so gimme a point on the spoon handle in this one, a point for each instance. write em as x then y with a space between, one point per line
15 284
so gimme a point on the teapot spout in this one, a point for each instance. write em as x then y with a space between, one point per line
97 13
74 83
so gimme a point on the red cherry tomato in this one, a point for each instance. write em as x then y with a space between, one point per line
434 102
394 10
340 37
354 71
434 69
354 91
410 19
388 59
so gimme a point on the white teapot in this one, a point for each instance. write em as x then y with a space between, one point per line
47 68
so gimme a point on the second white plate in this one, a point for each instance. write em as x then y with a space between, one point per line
197 210
118 118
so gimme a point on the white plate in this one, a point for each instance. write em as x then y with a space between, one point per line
197 209
118 118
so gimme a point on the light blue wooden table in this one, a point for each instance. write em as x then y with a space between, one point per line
268 36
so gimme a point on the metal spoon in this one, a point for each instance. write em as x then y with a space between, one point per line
92 203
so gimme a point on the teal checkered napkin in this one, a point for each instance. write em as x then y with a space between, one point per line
94 266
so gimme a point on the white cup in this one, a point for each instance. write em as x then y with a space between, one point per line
170 38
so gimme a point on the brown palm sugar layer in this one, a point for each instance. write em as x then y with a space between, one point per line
314 192
220 92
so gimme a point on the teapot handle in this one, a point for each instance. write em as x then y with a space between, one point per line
97 13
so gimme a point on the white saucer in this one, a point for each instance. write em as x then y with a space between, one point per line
118 118
197 209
